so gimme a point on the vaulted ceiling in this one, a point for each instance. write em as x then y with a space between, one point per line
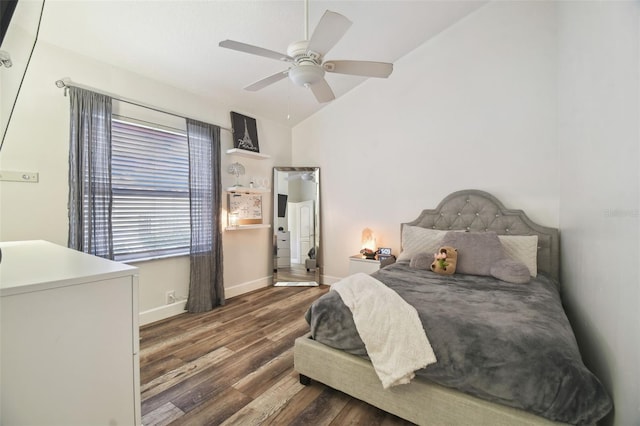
176 42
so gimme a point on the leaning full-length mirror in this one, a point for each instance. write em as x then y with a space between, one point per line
296 225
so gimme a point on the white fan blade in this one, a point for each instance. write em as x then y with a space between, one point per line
330 29
260 84
363 68
322 91
254 50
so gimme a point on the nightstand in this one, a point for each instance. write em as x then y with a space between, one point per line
359 264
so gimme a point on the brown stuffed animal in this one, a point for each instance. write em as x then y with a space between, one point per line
445 261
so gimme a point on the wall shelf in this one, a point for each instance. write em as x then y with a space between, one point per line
243 227
246 190
236 191
247 154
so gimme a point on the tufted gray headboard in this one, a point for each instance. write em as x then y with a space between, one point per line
475 210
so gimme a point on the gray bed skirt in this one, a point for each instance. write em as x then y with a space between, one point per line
421 402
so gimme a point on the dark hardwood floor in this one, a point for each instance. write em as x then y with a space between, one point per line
234 366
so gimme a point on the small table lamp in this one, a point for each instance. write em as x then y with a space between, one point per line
369 246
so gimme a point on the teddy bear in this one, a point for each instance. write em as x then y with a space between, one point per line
445 261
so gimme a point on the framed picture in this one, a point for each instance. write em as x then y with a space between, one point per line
245 132
246 208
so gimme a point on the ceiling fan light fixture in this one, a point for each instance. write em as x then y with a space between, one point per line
308 67
305 75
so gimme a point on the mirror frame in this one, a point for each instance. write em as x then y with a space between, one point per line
19 42
317 218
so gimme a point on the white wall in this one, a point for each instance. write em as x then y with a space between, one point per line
38 139
474 107
598 57
536 102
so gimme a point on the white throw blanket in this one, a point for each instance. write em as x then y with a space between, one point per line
389 327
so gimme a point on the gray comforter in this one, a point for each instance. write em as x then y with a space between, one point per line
507 343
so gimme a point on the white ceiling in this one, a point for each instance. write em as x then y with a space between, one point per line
176 42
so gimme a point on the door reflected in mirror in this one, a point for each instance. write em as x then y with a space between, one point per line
296 225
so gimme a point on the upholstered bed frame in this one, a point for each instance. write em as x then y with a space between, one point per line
421 401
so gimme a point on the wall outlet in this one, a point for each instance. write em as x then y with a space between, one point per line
11 176
170 297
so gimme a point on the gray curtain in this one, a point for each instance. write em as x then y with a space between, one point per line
90 198
206 289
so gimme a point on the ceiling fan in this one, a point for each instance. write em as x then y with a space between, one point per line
308 66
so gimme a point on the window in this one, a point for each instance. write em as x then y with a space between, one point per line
150 184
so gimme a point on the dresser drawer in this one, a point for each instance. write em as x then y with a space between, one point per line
283 252
283 243
284 261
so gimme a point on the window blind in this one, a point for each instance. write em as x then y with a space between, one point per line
150 184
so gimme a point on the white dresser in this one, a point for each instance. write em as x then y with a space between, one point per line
69 337
283 249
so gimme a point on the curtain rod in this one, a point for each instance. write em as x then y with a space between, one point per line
66 83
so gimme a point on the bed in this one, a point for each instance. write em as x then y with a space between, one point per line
525 369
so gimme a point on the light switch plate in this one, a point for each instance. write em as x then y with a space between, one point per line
11 176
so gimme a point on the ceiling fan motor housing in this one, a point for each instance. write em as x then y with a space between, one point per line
307 69
299 49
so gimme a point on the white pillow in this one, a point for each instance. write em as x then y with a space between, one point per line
419 240
523 248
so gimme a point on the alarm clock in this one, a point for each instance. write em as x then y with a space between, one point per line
384 251
385 257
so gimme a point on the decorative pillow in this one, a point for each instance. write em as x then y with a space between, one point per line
417 240
511 271
523 248
421 261
477 251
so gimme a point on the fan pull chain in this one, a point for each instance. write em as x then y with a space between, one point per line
288 101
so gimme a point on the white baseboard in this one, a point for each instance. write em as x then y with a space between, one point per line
173 309
329 280
243 288
168 311
162 312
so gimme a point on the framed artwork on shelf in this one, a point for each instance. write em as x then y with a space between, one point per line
245 209
245 132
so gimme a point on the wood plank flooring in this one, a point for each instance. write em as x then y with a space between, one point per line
296 272
234 366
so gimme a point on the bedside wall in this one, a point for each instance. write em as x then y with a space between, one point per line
474 107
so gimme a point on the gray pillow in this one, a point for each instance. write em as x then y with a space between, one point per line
421 261
511 271
477 251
